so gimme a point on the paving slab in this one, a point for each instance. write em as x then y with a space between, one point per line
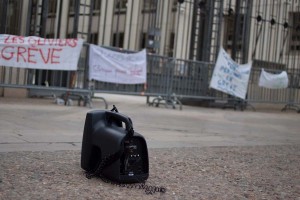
195 153
220 173
40 124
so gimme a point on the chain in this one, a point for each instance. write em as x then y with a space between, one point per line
110 159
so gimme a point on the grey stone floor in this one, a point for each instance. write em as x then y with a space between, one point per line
39 124
196 153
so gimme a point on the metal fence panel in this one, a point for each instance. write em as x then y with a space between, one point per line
166 76
287 95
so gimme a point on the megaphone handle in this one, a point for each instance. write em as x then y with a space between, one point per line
123 118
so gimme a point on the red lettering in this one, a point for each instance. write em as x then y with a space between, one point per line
21 39
21 51
72 42
47 58
3 53
55 56
32 41
6 41
31 55
14 39
41 41
61 42
51 41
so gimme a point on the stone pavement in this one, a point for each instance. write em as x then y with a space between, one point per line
195 153
37 124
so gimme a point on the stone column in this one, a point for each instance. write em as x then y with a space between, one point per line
132 33
64 19
106 21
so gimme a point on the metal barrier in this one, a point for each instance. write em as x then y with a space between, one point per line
168 81
61 85
289 96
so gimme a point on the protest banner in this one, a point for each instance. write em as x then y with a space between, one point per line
230 77
273 81
39 53
115 67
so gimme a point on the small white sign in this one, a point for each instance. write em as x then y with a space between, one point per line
273 81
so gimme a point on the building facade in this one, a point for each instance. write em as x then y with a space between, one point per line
188 29
266 32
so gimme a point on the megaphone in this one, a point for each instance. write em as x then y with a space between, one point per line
112 149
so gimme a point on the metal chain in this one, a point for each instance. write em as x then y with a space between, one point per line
110 159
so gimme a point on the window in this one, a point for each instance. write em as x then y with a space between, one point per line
71 35
120 4
52 8
72 7
150 5
171 45
175 5
229 30
94 38
50 35
97 6
11 22
118 40
294 44
268 65
143 41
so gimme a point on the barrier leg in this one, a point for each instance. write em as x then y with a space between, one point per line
291 106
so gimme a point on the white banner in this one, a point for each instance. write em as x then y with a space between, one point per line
230 77
115 67
273 81
39 53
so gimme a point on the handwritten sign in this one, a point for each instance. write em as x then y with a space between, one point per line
115 67
230 77
39 53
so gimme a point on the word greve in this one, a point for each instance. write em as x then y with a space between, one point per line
31 55
36 52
